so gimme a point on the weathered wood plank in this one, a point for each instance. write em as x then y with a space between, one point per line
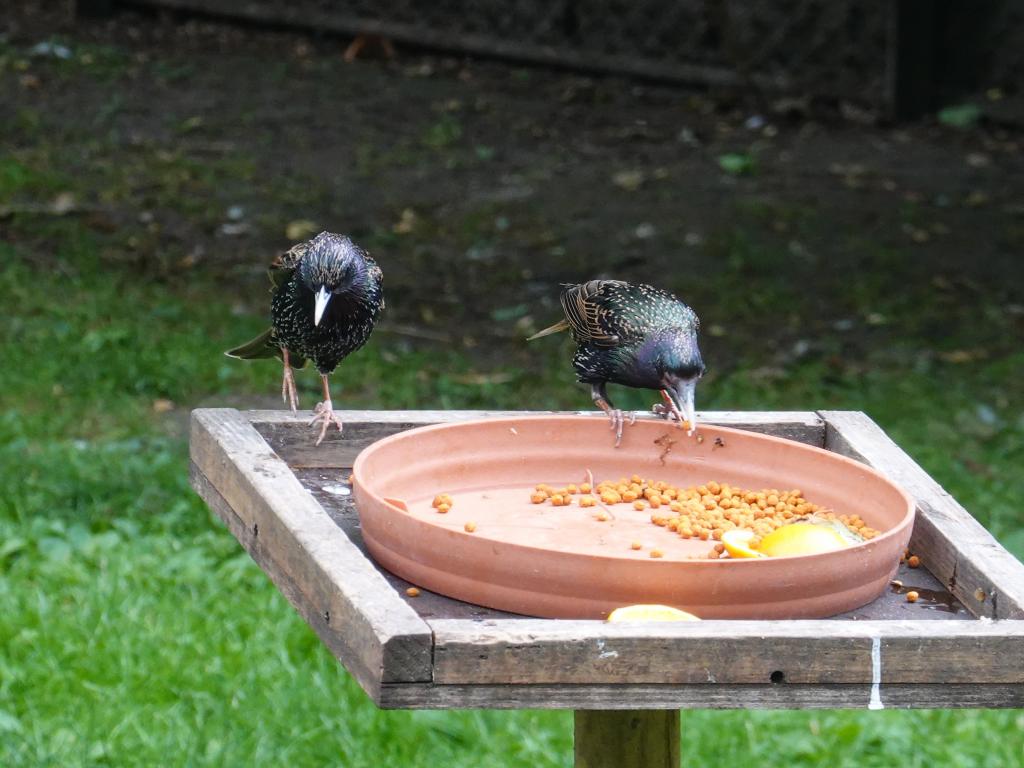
528 652
332 636
337 580
616 738
289 434
954 546
899 696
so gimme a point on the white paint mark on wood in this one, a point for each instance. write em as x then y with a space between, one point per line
876 674
602 653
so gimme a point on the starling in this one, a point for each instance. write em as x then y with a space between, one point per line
327 296
636 335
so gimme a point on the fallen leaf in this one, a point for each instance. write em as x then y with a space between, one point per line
162 405
301 229
960 116
629 180
736 163
406 222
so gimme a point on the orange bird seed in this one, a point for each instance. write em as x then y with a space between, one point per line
703 512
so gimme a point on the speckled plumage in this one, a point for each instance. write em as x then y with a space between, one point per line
327 297
629 333
635 335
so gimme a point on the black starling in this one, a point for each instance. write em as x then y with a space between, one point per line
636 335
327 296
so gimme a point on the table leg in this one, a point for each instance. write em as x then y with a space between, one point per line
631 738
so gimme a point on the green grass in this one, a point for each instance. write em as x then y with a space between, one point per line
133 629
136 632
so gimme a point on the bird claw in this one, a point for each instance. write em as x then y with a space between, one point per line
618 421
324 414
669 410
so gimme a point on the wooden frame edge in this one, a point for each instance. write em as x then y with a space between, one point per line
390 641
954 546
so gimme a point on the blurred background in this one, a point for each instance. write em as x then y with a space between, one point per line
836 188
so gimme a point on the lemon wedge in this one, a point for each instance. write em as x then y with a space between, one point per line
650 613
800 539
737 543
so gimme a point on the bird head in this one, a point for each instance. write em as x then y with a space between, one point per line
680 367
332 265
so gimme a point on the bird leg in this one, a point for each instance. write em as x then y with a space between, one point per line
601 400
669 409
288 393
324 413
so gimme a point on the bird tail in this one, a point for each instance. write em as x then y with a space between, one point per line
262 346
561 325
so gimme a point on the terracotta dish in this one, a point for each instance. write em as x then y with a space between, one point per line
561 562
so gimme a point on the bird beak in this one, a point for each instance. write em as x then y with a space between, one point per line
322 297
684 392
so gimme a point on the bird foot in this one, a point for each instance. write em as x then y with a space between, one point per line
324 415
670 411
288 391
618 420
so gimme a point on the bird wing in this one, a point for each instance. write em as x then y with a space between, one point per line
586 311
264 345
284 264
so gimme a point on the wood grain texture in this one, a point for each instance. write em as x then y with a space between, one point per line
954 546
337 581
539 652
332 636
616 738
783 696
291 438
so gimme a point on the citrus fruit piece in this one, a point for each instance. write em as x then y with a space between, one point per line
737 543
801 539
650 613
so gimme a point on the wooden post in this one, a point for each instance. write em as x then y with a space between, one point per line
627 738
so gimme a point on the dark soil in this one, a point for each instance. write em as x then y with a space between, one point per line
479 186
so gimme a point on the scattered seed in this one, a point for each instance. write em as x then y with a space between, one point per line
412 592
914 561
470 526
636 545
912 596
657 553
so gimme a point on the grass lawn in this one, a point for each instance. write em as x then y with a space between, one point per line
133 629
136 632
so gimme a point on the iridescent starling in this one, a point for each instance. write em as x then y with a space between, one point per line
327 296
636 335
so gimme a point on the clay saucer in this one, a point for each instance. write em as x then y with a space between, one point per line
562 562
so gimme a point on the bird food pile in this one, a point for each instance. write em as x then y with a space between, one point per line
704 512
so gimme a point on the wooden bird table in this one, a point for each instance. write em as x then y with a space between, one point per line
287 502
